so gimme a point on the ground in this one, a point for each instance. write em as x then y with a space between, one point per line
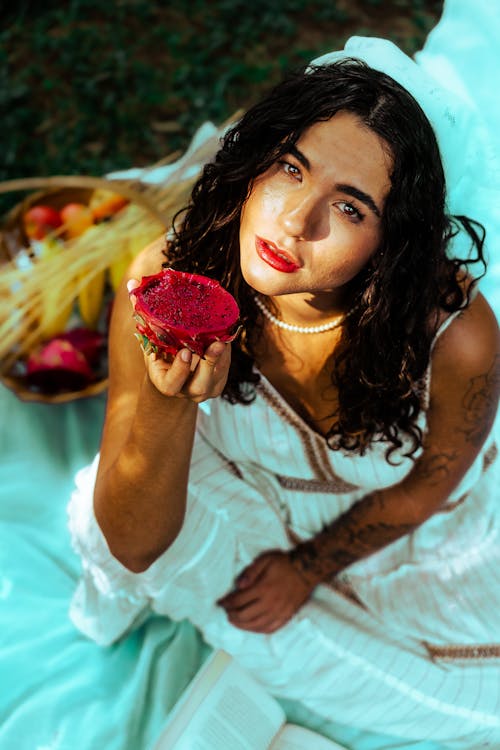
87 87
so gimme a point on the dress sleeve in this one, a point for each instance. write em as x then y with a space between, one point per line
228 522
109 599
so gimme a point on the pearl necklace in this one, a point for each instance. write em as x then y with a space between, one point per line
302 329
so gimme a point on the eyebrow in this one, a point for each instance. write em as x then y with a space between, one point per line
344 188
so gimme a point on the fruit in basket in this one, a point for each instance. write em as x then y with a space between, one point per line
77 218
55 309
88 342
117 270
174 309
90 299
40 220
58 366
129 248
105 203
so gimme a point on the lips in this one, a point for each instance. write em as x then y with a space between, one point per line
275 257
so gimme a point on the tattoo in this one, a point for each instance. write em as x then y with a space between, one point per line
480 403
362 530
435 467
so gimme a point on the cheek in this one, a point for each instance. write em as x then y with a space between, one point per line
348 250
264 204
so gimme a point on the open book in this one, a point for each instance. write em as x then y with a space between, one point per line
224 708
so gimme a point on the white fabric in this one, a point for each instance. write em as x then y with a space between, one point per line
258 472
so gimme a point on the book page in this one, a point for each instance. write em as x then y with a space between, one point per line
293 737
223 708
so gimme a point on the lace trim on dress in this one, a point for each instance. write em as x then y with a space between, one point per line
315 447
336 486
463 651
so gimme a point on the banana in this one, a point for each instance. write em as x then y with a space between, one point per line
90 299
118 268
54 312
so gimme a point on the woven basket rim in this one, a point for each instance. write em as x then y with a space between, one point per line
26 394
135 191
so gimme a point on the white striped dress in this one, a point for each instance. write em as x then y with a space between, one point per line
405 643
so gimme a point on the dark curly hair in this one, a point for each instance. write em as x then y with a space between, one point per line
385 346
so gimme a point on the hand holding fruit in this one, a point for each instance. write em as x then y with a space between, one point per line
175 312
191 377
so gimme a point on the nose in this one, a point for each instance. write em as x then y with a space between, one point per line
305 216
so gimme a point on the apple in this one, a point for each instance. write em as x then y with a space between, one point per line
40 220
77 217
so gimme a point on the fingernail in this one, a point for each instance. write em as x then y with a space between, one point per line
186 356
131 285
216 349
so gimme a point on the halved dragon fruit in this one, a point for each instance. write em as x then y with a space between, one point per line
174 309
58 366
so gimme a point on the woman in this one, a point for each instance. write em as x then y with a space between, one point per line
320 498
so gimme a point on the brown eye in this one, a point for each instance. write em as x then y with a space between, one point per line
350 211
291 169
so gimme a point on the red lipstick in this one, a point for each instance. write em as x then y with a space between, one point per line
275 257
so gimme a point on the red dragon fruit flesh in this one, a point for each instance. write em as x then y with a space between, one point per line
174 309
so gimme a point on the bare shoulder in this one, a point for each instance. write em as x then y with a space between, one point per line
464 393
465 385
471 343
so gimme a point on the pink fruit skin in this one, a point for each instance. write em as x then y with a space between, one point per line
89 343
169 338
58 355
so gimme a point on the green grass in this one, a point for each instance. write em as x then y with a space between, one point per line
89 86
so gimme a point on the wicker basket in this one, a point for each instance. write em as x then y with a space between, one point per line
155 198
57 192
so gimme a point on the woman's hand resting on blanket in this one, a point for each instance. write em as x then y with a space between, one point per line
187 375
267 594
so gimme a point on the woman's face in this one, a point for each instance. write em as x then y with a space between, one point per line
313 219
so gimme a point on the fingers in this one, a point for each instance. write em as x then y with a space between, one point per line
237 600
252 573
174 374
259 619
209 374
188 376
214 353
131 285
247 614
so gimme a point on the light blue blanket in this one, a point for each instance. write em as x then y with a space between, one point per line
58 691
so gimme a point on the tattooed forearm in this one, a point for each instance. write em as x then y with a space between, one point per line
433 468
480 404
362 530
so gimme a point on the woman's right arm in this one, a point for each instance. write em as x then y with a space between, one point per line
141 486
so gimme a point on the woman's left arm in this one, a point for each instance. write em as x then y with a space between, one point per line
463 402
